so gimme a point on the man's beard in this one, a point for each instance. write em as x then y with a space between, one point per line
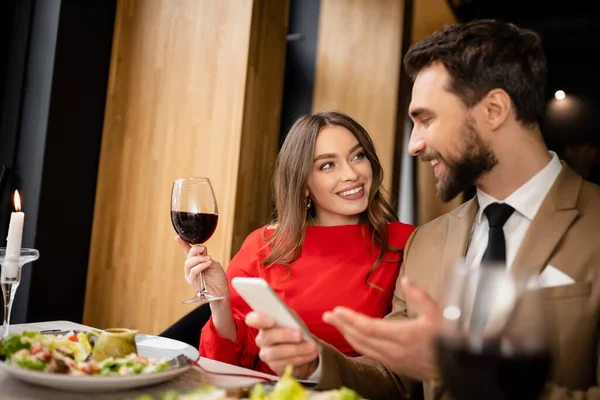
476 159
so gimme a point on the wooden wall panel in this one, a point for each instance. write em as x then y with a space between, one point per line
430 16
184 83
358 66
262 116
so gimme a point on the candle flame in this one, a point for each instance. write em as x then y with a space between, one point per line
17 201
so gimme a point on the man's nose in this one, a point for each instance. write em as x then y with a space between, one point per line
416 144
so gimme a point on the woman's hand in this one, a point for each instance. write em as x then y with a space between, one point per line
199 261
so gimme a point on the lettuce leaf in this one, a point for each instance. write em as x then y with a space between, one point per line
33 363
258 392
14 343
288 388
347 394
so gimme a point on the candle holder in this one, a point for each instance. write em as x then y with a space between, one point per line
10 278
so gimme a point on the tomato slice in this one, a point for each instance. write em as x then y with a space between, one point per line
35 348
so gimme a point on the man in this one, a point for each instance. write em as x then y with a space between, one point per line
477 98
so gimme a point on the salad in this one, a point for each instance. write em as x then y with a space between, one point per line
70 354
287 388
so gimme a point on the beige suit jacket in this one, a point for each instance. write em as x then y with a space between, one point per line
565 233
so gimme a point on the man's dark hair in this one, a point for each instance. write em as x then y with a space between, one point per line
485 54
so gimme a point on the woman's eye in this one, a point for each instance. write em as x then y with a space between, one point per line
359 156
426 122
326 165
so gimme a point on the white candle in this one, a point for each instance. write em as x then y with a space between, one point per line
15 231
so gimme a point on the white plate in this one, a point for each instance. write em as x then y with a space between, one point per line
148 346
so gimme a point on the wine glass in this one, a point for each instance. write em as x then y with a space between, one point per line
493 341
194 216
10 278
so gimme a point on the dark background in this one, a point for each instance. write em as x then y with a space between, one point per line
53 80
570 32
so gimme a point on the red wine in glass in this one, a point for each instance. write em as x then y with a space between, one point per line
194 216
489 372
493 343
194 228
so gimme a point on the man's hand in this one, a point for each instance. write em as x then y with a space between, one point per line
406 347
283 346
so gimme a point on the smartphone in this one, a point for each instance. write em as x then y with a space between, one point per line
262 298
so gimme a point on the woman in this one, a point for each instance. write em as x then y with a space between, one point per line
335 241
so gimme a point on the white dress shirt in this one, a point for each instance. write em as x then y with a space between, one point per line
526 201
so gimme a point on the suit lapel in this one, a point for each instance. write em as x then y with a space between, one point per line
460 224
553 219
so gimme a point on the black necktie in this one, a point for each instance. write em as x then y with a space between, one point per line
497 215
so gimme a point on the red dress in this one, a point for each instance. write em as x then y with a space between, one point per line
331 271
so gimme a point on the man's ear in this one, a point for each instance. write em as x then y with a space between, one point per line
497 107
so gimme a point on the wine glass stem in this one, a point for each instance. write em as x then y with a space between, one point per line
8 294
201 287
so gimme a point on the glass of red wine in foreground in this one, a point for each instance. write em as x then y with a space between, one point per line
493 343
194 216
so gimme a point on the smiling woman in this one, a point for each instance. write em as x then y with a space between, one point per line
340 184
332 220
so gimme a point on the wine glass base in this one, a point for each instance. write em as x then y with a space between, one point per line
202 298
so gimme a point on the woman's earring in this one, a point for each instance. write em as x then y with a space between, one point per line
308 203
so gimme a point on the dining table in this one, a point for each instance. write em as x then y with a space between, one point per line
207 373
